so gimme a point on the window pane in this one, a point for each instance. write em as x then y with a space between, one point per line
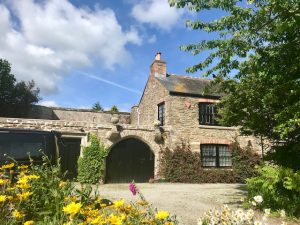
208 114
225 161
224 150
208 155
161 113
224 156
18 145
209 161
215 155
209 150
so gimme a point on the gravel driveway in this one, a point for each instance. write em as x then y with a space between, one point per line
187 201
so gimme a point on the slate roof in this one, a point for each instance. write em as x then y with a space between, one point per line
189 86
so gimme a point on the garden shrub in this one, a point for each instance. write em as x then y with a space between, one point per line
183 165
279 188
179 165
244 161
91 165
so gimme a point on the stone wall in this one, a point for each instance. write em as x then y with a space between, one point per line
80 129
69 114
90 116
182 117
154 93
41 112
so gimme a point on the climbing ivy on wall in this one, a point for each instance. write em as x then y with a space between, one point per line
183 165
91 165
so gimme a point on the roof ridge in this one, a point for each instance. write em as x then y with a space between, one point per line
189 77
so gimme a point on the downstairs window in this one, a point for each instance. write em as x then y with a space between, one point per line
214 155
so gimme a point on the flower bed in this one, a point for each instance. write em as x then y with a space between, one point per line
37 195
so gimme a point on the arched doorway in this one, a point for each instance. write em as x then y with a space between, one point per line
130 159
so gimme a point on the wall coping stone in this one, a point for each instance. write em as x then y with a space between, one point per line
65 123
87 110
217 127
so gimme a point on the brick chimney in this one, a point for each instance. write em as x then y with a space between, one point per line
158 67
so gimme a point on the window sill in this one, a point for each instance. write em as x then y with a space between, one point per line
217 168
217 127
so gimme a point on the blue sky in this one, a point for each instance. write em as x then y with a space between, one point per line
83 51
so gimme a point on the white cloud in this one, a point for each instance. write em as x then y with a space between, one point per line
152 39
51 38
48 103
158 13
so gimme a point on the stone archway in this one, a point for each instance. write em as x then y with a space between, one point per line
129 159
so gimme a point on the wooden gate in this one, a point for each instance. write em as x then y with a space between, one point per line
69 151
130 159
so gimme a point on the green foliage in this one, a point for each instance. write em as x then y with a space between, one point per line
36 194
114 109
15 97
244 161
48 193
97 107
180 165
279 187
183 165
256 58
287 155
91 165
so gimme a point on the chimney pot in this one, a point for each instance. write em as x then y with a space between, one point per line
157 56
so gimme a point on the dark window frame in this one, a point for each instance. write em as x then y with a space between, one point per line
161 113
208 113
217 157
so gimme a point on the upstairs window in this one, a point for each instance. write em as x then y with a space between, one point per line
161 113
208 114
213 155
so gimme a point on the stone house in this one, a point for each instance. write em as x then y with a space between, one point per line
184 112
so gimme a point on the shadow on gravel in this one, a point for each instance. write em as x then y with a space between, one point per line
235 199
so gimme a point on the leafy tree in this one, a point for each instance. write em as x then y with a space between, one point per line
97 107
114 109
16 98
256 57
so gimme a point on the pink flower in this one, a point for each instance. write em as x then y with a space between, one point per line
132 188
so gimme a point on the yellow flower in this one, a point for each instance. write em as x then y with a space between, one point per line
23 180
73 208
97 220
23 167
115 220
24 195
16 214
33 177
4 181
9 197
62 184
119 203
8 166
161 215
24 185
2 198
29 222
